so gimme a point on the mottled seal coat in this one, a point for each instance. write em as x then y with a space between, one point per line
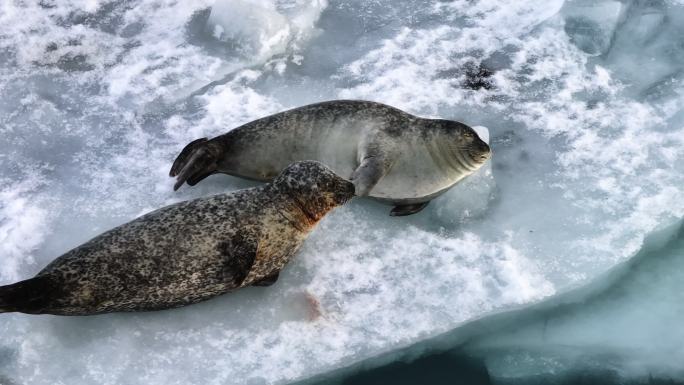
388 154
187 252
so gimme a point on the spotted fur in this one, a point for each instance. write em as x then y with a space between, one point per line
187 252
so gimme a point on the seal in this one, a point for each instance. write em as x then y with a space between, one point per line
187 252
388 154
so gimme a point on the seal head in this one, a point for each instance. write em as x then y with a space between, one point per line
314 187
462 147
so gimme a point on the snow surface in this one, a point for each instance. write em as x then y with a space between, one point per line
583 102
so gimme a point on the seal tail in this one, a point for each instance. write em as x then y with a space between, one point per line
27 296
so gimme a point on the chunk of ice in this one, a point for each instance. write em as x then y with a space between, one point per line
591 25
264 28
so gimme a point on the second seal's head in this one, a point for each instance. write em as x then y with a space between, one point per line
466 147
315 187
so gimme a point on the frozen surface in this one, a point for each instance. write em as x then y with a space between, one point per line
622 328
626 330
262 29
583 102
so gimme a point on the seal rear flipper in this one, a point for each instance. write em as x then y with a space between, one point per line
199 177
184 155
198 160
31 296
267 281
403 210
239 253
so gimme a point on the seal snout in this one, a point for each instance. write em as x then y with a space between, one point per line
315 187
480 150
347 191
342 189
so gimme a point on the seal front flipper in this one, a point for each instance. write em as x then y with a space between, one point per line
369 173
403 210
267 281
239 253
197 160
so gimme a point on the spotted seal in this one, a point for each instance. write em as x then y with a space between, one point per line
387 153
186 252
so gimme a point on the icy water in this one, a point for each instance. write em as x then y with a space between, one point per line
584 105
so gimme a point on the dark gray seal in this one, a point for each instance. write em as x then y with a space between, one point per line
186 252
387 153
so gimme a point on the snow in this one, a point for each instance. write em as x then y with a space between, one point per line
582 102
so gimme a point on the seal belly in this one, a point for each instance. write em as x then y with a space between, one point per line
415 177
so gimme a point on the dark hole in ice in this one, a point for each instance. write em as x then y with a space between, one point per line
478 77
74 63
132 29
47 4
108 18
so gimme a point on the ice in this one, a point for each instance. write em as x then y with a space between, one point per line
646 49
97 98
591 25
623 328
482 132
264 28
22 228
